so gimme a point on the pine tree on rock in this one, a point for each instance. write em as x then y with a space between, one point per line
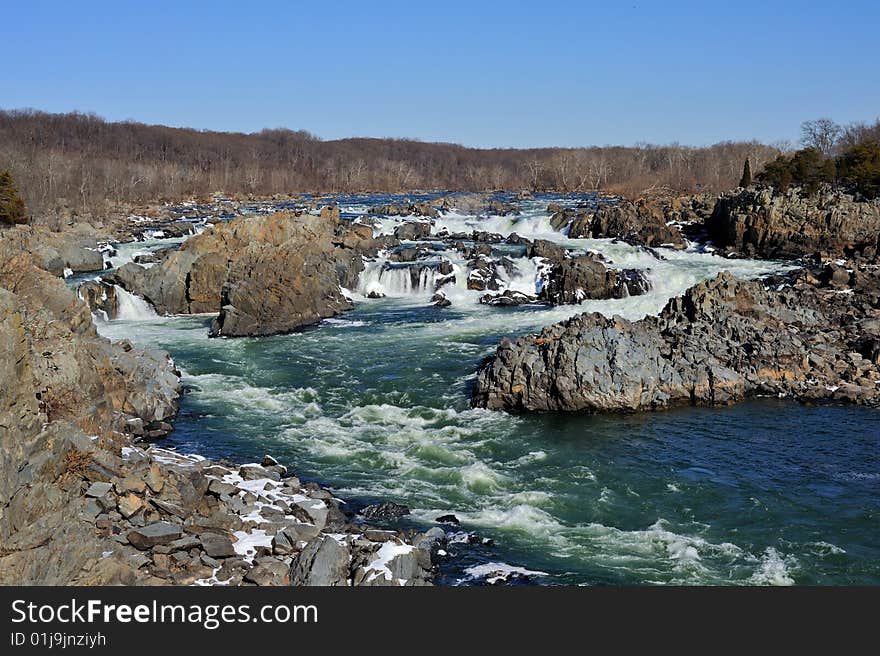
746 180
12 208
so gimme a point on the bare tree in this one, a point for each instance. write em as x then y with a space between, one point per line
821 134
59 158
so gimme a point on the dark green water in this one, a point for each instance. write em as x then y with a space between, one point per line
765 492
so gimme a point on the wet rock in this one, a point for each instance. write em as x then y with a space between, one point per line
413 231
546 249
440 300
448 519
387 510
587 277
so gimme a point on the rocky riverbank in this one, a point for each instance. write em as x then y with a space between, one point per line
84 500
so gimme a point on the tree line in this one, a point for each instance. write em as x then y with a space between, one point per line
845 156
82 162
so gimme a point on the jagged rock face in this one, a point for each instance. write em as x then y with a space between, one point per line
560 216
546 249
721 341
58 378
100 297
79 376
587 277
759 222
265 275
643 222
75 250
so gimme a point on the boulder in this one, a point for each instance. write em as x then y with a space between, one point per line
413 231
154 534
323 562
644 222
587 277
386 510
264 274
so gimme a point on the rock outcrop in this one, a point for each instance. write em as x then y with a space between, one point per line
576 279
722 341
406 209
73 251
263 274
761 222
643 222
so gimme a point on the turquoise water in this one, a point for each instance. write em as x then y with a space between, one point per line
375 404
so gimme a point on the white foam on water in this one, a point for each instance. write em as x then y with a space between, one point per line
224 389
449 460
133 308
495 572
774 569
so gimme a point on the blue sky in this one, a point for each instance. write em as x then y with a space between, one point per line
479 73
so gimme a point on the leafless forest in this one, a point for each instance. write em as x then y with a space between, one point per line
85 163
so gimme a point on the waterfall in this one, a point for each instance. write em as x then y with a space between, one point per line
131 307
397 280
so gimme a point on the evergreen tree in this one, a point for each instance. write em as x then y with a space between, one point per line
746 180
859 167
12 208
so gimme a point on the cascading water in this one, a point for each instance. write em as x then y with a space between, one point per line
395 280
131 307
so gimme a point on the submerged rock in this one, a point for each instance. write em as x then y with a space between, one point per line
387 510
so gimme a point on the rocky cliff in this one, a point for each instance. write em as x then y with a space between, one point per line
723 340
761 222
